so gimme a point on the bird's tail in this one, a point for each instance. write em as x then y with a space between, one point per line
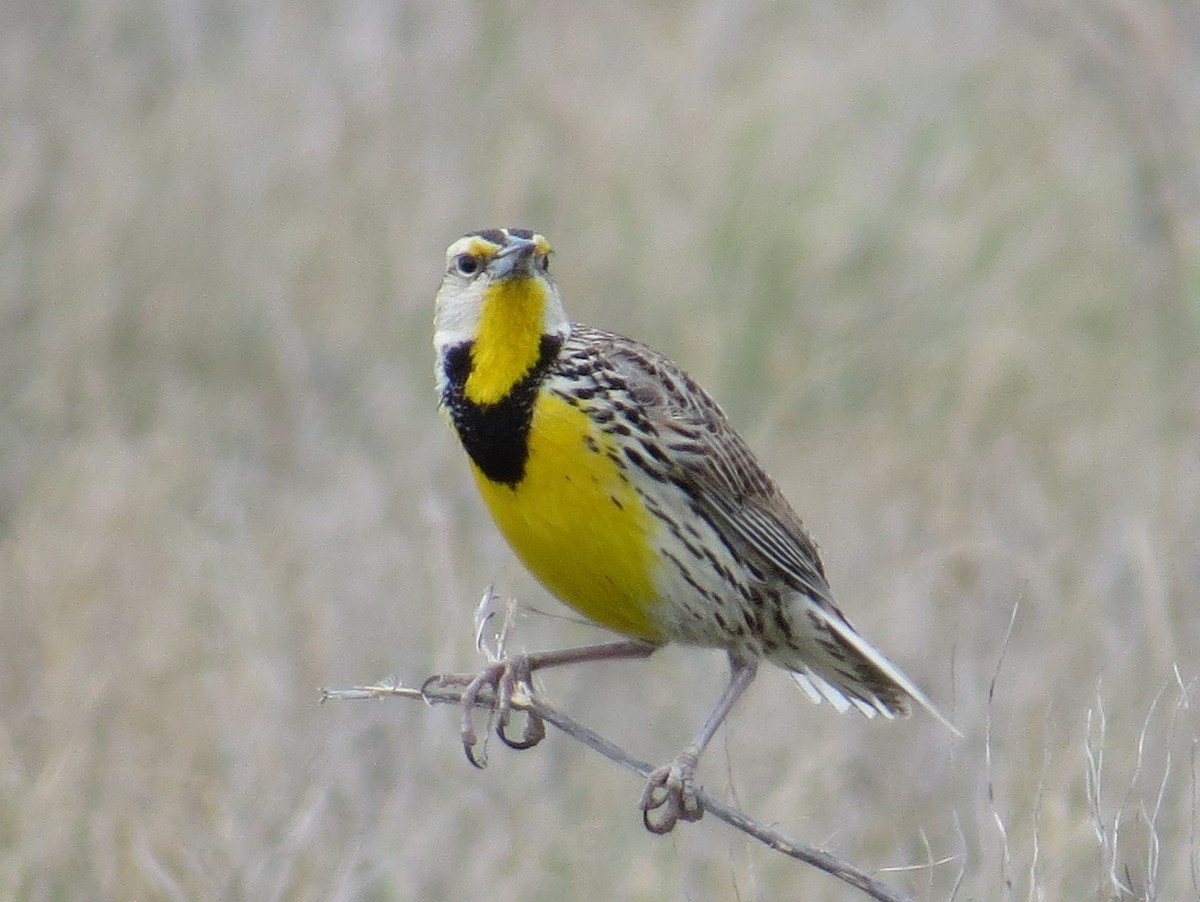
843 668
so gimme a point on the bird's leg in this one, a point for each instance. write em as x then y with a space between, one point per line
511 681
671 790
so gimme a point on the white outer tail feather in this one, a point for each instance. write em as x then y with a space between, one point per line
817 687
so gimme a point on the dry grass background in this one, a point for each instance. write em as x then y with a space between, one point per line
941 262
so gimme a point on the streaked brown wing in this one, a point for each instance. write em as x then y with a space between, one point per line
709 458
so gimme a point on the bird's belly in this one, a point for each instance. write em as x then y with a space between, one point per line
577 523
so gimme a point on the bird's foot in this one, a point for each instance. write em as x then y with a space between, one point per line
510 681
671 794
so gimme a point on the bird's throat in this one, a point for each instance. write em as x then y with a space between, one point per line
496 435
508 342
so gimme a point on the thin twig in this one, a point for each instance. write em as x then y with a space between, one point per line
1006 860
773 839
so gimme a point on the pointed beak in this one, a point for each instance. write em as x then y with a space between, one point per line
513 258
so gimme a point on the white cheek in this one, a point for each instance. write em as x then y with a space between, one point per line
554 317
456 316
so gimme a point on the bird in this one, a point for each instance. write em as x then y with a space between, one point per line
623 488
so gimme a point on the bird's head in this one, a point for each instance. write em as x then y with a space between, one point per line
496 304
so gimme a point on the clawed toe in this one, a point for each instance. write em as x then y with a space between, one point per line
671 795
511 686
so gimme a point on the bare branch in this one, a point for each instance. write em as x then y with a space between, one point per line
830 864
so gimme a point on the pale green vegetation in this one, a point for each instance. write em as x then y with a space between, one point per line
941 262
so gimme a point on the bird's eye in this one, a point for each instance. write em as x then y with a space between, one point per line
544 263
466 264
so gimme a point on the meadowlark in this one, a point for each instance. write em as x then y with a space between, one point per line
622 487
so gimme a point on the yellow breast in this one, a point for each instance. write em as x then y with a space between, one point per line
577 524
